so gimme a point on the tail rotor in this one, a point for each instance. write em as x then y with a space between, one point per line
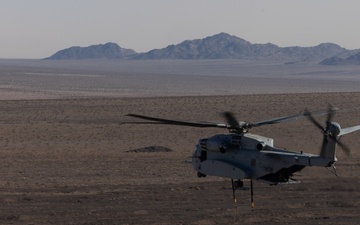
330 132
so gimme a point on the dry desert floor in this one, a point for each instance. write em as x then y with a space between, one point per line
68 161
66 157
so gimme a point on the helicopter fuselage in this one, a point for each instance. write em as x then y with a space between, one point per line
242 155
250 156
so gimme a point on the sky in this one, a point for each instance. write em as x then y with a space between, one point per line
40 28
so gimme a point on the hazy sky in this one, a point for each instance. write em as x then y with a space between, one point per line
39 28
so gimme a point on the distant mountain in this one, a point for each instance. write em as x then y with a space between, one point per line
219 46
351 60
225 46
102 51
318 52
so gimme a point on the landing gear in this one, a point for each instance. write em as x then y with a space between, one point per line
238 184
200 175
252 194
233 190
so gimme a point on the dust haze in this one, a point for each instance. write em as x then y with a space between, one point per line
153 78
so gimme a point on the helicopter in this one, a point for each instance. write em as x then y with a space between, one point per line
242 155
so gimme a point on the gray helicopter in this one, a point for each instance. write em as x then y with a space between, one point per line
242 155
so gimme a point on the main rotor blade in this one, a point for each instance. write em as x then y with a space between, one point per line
177 122
141 122
290 118
232 122
230 118
277 120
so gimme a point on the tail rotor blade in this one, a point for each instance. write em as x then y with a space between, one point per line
343 146
313 120
330 115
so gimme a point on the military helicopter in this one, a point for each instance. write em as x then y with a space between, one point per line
241 155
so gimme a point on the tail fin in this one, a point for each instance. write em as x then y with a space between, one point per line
328 148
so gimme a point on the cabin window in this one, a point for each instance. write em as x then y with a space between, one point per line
253 162
203 156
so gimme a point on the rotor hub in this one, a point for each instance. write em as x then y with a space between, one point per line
333 129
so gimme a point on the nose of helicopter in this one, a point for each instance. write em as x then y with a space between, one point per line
197 157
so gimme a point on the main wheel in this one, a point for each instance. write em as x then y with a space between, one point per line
239 184
200 175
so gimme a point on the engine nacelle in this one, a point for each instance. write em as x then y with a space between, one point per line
217 143
261 146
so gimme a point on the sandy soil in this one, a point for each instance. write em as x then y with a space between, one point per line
67 161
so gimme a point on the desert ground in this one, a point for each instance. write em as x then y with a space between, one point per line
66 157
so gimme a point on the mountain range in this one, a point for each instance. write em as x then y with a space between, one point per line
105 51
219 46
335 60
